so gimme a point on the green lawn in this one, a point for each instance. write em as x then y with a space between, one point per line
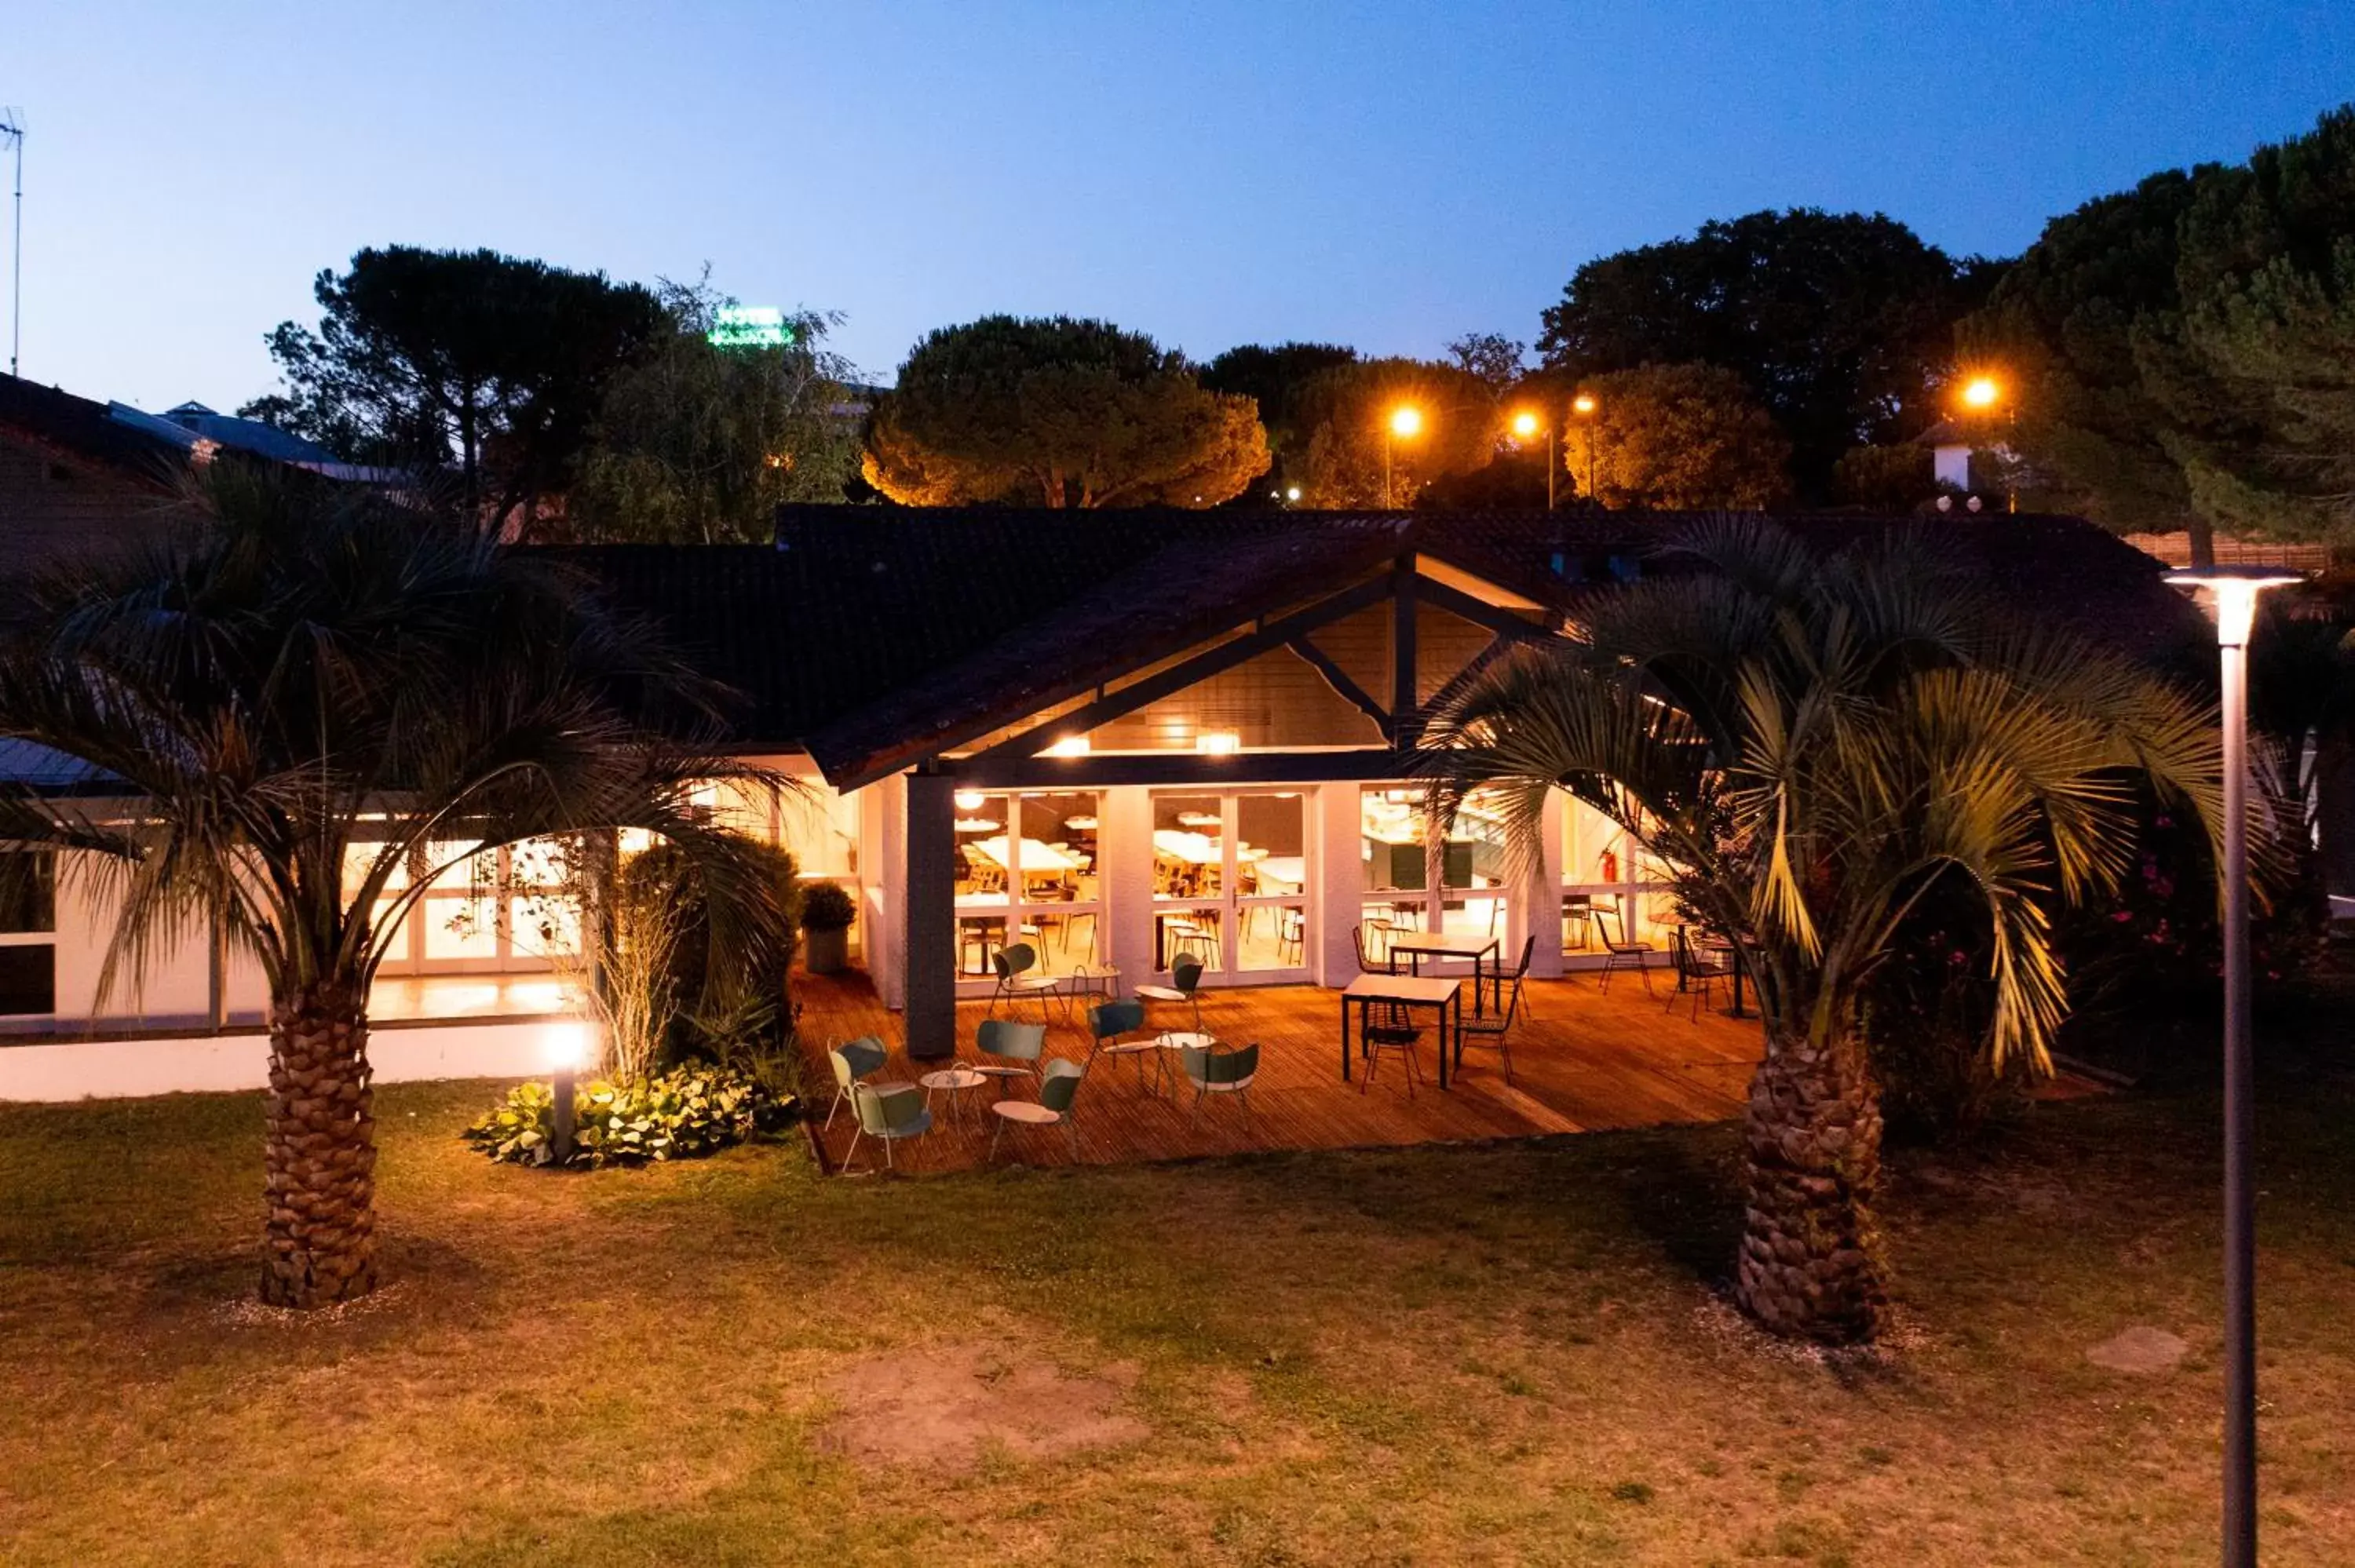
1497 1354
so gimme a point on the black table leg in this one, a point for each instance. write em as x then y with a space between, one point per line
1345 1039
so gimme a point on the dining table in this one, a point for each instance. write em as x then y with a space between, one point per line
1444 996
1478 948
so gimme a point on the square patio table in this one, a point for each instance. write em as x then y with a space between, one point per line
1411 990
1419 945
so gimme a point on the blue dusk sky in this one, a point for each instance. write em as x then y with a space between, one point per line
1382 174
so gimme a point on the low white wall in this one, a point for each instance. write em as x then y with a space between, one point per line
121 1069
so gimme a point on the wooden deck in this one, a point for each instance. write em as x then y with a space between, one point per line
1587 1060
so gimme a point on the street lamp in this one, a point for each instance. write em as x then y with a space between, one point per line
1584 405
1404 420
2234 591
1526 424
1981 395
570 1048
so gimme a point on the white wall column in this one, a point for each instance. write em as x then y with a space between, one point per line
883 887
1339 873
1125 880
1540 902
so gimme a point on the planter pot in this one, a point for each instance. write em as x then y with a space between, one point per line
826 952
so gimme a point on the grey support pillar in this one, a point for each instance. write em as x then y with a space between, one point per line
928 950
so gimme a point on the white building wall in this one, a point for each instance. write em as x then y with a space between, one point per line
1124 881
1337 827
108 1069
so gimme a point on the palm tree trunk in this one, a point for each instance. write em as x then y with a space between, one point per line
319 1151
1810 1265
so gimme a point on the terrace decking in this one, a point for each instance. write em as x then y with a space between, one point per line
1588 1060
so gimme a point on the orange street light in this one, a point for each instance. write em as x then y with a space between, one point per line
1525 424
1405 420
1981 392
1583 403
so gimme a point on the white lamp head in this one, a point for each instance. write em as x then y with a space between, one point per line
571 1045
2233 591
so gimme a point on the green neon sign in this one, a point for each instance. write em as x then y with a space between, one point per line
749 326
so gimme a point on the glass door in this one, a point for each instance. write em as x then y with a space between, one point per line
1230 882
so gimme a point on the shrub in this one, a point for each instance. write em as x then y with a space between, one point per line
679 1115
826 906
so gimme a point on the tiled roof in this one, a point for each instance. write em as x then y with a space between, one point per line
78 427
874 637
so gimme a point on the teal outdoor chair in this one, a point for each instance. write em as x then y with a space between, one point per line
1010 1049
1015 968
1108 1022
889 1111
861 1059
1058 1090
1186 985
1213 1072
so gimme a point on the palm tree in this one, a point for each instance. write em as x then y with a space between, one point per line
1811 743
283 714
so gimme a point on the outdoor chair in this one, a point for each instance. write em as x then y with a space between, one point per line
889 1111
1012 1045
1372 940
1520 972
1699 966
1494 1030
1290 934
1389 1027
861 1059
1014 965
1108 1022
1186 985
1217 1072
1578 915
1618 953
1058 1091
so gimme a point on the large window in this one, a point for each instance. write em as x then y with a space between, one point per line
1611 888
1231 881
1026 873
28 943
486 910
1418 881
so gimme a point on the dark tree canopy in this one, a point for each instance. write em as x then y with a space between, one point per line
1061 411
1341 415
1492 357
428 357
2183 350
1841 324
1679 436
698 443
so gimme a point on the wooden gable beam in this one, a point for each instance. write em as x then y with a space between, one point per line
1479 612
1267 635
1338 679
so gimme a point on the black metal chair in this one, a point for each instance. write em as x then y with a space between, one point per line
1618 952
1699 968
1494 1030
1389 1027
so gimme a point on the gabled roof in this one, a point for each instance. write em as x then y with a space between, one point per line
873 638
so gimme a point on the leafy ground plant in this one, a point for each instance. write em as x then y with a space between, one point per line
679 1115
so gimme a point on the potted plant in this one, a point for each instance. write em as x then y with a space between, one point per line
827 913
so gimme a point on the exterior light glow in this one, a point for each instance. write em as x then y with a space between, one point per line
1981 392
1525 424
969 799
2234 591
1406 421
1069 745
1218 743
1292 493
571 1047
1583 403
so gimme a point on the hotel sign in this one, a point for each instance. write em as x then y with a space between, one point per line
749 326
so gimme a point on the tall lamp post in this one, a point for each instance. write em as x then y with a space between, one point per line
1980 395
1526 424
2234 591
1404 421
1584 405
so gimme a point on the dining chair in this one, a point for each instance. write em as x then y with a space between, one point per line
1390 1026
1494 1030
1618 953
1186 985
1014 965
1057 1105
853 1063
889 1111
1213 1070
1699 966
1012 1045
1108 1022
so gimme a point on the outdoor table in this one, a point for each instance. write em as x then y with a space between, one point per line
1177 1040
1419 945
952 1082
1713 943
1412 991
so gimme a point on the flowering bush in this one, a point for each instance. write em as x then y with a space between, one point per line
678 1114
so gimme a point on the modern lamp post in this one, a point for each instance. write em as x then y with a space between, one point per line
1526 424
1404 420
1584 405
2234 591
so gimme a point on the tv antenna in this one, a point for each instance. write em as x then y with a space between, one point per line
12 135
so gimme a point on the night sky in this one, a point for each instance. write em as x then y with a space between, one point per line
1385 174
